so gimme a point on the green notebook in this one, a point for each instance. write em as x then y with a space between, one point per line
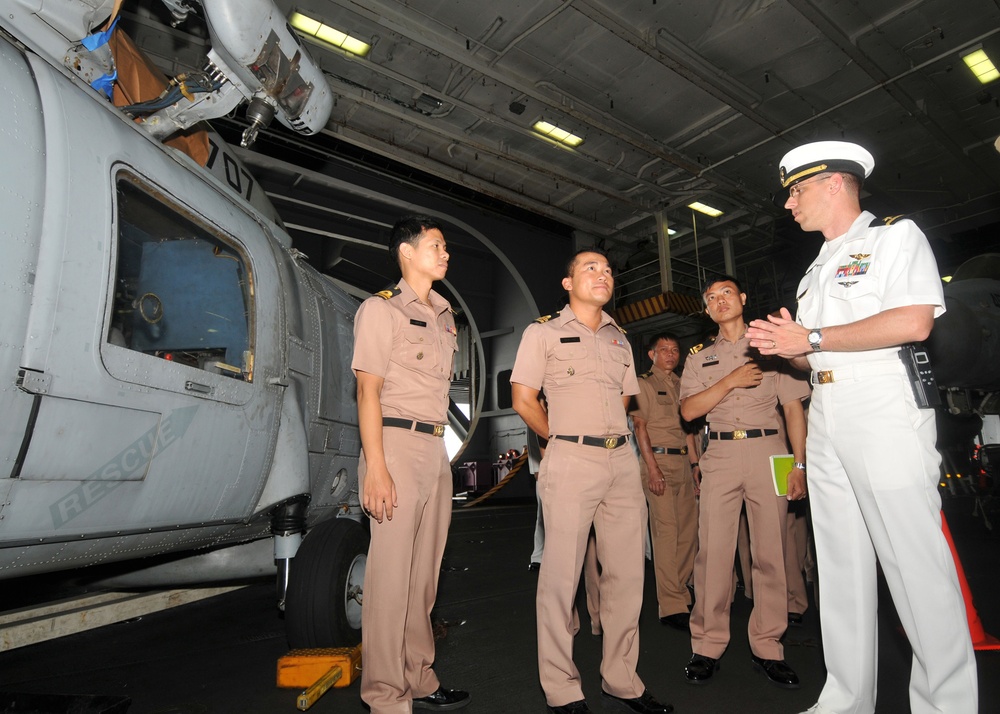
780 466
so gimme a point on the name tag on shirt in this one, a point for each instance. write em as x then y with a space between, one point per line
418 323
569 339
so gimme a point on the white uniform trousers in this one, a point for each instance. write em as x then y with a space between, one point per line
873 475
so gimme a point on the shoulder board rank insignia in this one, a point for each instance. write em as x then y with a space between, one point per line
646 375
621 330
452 311
386 294
696 349
546 318
886 221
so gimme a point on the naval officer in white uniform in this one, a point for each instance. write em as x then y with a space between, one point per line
873 469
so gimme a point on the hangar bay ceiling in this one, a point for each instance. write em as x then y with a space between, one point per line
675 102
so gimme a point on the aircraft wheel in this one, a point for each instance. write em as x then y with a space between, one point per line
323 603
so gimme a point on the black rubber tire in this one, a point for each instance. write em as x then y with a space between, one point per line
326 573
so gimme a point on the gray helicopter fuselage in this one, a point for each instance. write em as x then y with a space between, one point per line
172 374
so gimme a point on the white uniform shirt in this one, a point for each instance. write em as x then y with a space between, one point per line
864 272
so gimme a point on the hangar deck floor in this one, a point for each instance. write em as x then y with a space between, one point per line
218 656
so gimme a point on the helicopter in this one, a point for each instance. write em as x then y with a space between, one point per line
178 392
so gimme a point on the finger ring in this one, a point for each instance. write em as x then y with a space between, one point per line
773 344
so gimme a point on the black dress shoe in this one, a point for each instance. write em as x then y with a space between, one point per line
534 567
579 707
700 669
777 671
442 700
646 704
679 621
795 618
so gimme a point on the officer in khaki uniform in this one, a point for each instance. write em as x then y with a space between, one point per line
404 344
589 476
667 458
738 391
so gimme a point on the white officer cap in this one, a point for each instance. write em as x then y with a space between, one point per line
825 156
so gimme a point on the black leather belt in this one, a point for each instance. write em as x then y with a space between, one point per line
422 427
741 434
605 442
673 452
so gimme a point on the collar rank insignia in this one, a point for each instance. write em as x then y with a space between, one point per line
546 318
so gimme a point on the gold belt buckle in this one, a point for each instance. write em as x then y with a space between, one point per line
684 450
824 377
611 442
438 430
740 434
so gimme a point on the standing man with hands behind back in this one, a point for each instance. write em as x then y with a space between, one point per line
404 344
668 456
873 465
589 476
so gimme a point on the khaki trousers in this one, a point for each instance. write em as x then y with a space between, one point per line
736 472
673 522
401 578
581 486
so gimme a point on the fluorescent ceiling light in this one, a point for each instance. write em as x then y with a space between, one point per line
671 231
329 35
706 209
553 132
981 66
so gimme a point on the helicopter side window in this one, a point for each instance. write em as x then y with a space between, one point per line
182 293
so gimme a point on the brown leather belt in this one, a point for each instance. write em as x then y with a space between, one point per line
606 442
673 452
741 434
422 427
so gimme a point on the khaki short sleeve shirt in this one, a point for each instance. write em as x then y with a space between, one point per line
742 408
584 374
412 347
658 404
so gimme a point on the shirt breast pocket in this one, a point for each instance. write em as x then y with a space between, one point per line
665 400
417 349
618 361
856 298
767 390
571 362
450 342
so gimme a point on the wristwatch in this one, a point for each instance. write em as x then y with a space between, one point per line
799 465
815 337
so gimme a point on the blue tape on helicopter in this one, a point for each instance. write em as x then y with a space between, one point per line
92 42
106 83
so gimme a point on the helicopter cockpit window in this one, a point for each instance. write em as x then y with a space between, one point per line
182 293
